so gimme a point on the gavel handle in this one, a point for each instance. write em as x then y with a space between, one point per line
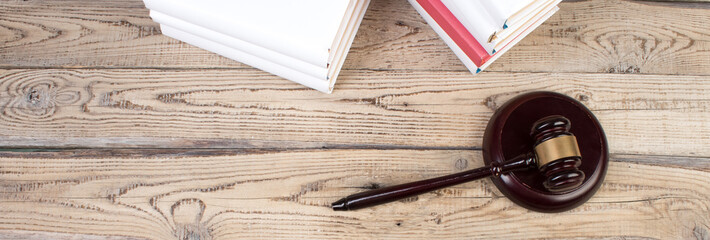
394 193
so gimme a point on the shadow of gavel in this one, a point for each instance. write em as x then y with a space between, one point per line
555 154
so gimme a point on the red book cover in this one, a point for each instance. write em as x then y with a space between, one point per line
456 30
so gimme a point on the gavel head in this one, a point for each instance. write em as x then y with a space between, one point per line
557 154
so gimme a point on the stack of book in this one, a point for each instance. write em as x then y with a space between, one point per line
480 31
305 41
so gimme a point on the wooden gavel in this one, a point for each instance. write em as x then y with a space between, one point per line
556 155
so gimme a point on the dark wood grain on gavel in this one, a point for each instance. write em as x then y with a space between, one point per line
394 193
562 173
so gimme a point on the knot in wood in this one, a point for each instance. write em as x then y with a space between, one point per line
461 164
187 215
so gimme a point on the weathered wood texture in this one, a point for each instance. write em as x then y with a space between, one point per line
286 195
648 114
97 77
585 36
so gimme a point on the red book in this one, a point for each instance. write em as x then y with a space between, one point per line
456 30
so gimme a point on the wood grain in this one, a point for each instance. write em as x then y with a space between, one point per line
596 36
285 195
109 130
369 109
33 235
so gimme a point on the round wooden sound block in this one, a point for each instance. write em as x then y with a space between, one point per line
508 135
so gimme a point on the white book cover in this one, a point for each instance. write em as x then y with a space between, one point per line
309 30
501 10
476 19
461 55
473 14
319 77
251 49
449 42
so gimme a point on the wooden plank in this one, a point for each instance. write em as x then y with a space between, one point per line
681 1
69 5
33 235
286 195
585 36
647 114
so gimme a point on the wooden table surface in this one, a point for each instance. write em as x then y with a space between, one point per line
110 130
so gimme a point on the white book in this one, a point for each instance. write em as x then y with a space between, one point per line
524 14
251 49
461 55
309 30
473 16
522 35
506 36
449 42
318 76
492 37
252 60
501 10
